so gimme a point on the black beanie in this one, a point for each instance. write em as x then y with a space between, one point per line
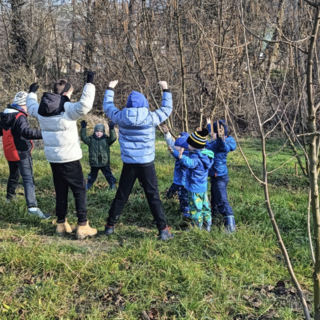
198 139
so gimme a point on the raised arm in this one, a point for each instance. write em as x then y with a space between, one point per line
226 145
167 136
184 160
164 112
83 133
112 137
32 101
108 106
76 110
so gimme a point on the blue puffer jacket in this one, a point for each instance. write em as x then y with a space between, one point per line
220 149
180 171
137 125
198 164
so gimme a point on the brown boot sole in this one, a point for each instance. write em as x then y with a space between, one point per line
84 236
61 234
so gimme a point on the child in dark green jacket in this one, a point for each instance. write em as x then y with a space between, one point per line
99 152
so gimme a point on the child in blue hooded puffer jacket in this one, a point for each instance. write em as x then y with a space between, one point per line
137 127
198 163
221 145
179 175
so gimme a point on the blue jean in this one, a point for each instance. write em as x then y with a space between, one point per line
219 196
106 172
24 168
183 197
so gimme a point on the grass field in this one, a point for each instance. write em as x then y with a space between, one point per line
132 275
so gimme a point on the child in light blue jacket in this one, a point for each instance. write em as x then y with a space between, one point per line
137 127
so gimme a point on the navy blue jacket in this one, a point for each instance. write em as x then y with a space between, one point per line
220 149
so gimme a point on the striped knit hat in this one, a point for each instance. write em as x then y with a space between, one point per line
20 98
198 139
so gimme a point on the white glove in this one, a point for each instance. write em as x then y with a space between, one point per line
113 84
163 85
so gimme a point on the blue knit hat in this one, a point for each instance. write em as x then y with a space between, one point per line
182 141
221 123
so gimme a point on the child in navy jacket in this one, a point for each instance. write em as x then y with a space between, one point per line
198 163
221 145
179 176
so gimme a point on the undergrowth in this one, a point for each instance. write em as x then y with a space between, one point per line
132 275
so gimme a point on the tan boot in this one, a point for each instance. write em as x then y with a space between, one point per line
85 231
63 228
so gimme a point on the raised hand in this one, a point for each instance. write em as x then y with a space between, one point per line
34 87
90 76
83 124
112 84
208 121
111 125
163 85
221 133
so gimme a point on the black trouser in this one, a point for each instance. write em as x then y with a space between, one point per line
25 168
146 174
67 175
106 172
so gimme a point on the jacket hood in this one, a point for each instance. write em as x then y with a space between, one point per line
221 123
99 126
182 141
52 104
184 134
206 157
7 118
137 100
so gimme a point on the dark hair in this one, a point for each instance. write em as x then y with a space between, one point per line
62 86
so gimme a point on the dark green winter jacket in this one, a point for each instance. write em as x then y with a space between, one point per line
99 148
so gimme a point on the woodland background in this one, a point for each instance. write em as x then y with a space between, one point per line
198 46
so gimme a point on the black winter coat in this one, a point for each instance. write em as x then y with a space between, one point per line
20 130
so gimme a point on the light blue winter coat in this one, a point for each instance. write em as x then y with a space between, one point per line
137 125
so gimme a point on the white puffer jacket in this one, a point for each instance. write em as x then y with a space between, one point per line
60 132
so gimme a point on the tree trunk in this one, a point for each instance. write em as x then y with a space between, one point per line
313 175
18 33
182 70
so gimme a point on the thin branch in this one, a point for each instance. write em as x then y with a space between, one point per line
209 40
315 5
290 43
281 165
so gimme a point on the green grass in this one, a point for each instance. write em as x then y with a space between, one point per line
197 275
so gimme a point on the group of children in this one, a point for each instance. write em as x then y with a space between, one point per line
196 158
